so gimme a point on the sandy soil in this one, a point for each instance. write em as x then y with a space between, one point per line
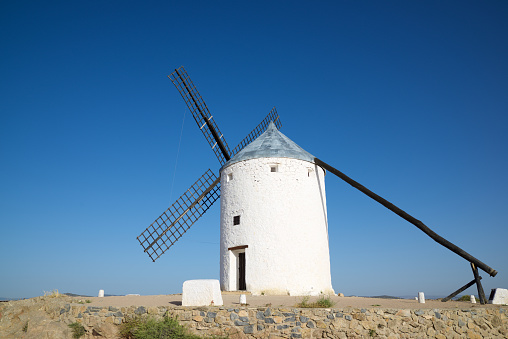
232 300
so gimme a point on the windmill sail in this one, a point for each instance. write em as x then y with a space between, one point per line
201 114
177 219
256 132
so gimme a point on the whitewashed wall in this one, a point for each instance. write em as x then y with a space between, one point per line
283 223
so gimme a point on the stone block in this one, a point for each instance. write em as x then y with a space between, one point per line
201 293
320 324
248 329
498 296
403 313
277 319
220 319
140 310
421 297
243 301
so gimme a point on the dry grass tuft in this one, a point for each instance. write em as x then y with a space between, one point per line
53 294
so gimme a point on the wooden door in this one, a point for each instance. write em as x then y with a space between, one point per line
241 272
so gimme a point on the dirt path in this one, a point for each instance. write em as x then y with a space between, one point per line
232 300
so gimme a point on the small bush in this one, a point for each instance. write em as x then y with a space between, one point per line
325 302
127 329
167 328
465 297
304 303
322 302
77 330
150 328
25 328
80 301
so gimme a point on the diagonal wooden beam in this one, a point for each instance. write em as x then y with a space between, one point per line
440 240
463 288
481 293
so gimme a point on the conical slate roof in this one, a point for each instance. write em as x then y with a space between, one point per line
271 144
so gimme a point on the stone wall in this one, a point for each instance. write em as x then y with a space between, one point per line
267 322
38 318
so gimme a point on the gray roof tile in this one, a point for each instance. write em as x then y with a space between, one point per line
271 144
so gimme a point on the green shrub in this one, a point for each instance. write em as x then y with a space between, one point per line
304 303
325 302
128 328
150 328
465 297
322 302
77 330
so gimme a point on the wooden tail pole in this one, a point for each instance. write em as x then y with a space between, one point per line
442 241
477 278
463 288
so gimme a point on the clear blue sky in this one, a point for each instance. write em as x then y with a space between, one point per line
408 98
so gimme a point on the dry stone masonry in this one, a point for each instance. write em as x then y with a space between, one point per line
50 319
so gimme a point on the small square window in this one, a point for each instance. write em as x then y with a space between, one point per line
273 168
236 220
230 177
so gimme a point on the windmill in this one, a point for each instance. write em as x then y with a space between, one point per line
264 264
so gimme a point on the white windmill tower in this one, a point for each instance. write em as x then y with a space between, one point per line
274 229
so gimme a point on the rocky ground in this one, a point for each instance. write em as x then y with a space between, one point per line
40 318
